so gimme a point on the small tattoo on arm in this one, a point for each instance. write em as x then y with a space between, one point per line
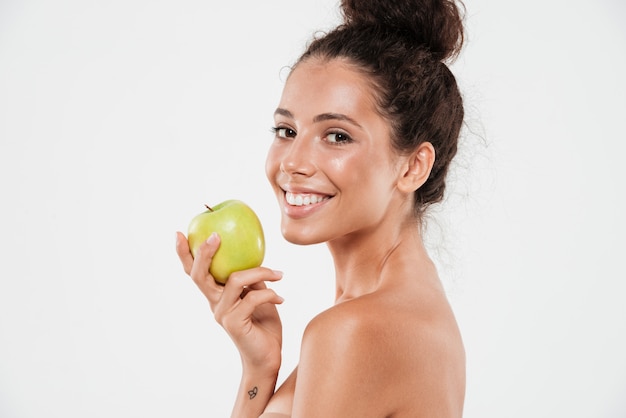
252 393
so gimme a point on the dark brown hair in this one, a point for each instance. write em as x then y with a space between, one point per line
403 45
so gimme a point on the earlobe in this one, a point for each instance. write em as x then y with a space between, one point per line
417 168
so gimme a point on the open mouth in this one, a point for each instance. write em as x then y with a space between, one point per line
304 199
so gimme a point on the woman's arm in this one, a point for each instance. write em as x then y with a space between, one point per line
246 309
360 360
255 391
340 372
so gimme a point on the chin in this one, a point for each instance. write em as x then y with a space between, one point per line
301 236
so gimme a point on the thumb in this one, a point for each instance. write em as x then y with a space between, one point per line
204 255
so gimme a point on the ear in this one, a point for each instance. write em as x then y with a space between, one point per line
416 168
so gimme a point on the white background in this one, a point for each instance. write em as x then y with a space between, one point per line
119 119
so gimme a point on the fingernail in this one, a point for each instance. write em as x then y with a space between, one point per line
278 273
212 238
281 299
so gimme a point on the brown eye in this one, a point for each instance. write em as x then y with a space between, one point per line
284 132
337 138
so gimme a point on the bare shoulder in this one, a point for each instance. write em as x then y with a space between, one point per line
384 321
380 350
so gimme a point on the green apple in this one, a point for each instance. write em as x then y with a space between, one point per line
242 243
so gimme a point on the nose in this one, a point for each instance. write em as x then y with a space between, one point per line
298 157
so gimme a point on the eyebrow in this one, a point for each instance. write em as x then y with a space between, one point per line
283 112
321 117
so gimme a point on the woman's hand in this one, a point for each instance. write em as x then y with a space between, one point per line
244 307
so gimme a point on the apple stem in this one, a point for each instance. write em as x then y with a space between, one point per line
208 207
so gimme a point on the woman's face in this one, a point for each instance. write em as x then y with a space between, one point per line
331 164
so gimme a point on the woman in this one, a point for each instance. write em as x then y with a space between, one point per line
366 127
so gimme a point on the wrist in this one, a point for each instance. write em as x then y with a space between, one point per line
255 390
267 370
267 366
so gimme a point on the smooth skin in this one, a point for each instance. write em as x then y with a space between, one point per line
390 345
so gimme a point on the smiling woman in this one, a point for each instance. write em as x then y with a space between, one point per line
336 146
365 130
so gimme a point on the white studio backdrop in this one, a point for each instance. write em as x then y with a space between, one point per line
120 119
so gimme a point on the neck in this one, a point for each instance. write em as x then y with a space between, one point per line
368 261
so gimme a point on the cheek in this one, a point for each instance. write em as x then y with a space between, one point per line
368 175
347 170
271 163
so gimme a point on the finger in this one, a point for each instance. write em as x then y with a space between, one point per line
253 286
231 319
256 298
241 281
200 269
182 249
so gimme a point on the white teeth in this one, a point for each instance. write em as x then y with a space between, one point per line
303 199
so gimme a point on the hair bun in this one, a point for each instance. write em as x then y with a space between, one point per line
435 24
